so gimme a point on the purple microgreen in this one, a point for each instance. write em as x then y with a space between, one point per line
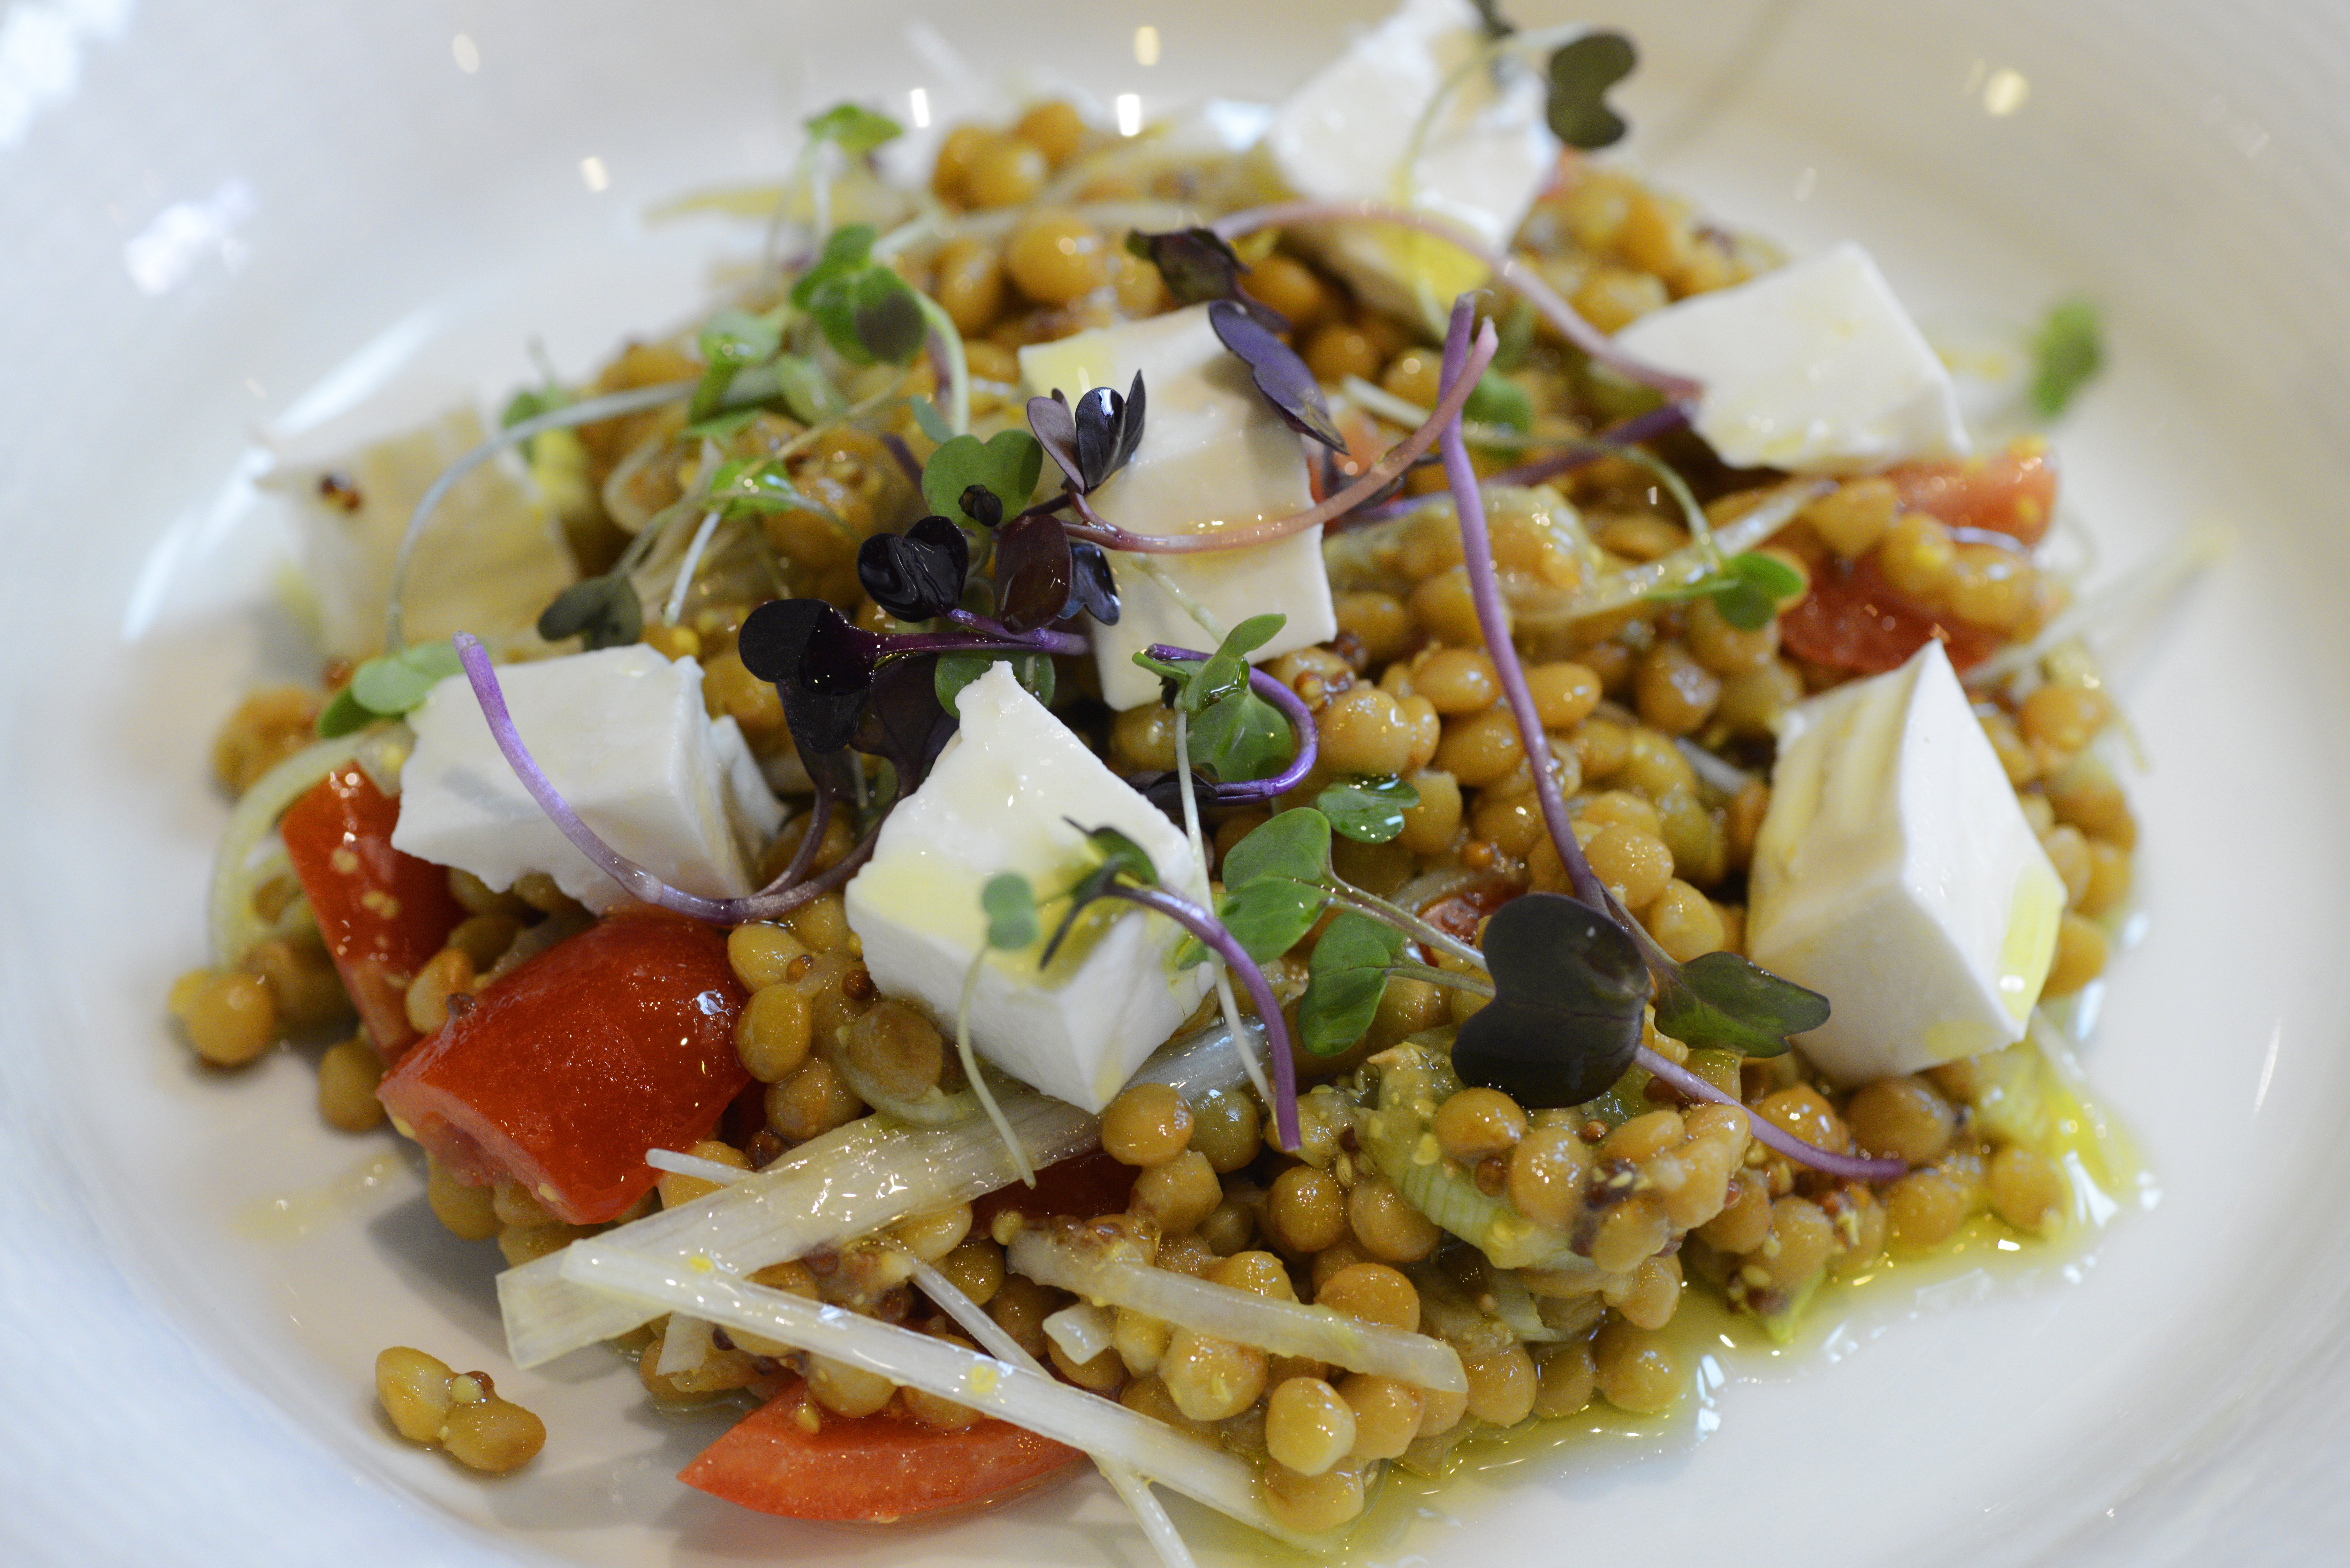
1564 1022
1070 643
917 575
1093 586
820 665
1508 271
1092 440
1197 265
902 718
1367 810
1346 976
1848 1166
777 899
1035 572
1366 486
1004 469
1211 931
1580 75
603 612
1279 373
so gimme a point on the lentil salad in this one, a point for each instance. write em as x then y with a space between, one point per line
1660 715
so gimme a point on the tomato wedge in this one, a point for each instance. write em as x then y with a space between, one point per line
382 913
562 1073
2012 490
873 1469
1081 1188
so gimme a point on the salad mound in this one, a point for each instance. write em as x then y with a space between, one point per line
1226 804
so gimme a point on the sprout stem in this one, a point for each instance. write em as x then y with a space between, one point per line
1851 1166
1211 933
1284 700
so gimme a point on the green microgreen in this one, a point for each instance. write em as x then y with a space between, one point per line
388 685
868 313
1498 400
1345 977
603 612
852 128
1580 74
528 404
930 423
1367 810
1010 905
1119 860
1747 590
1004 469
1719 999
2066 353
1235 734
957 670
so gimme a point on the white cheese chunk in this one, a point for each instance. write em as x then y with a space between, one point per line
490 559
1214 455
1896 875
1001 797
622 735
1813 367
1345 136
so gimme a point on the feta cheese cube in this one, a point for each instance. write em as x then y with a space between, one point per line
1001 797
1214 455
1813 368
489 561
1896 875
622 734
1345 136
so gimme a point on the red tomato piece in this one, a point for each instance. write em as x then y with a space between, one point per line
562 1073
873 1469
382 913
1458 914
1853 619
1081 1188
2011 491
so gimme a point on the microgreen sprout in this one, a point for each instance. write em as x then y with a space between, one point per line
1369 810
388 686
1091 442
1284 378
1199 265
867 312
2066 354
602 612
1248 733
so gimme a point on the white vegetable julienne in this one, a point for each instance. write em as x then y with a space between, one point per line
967 1314
1284 1328
693 1165
851 1182
686 1344
1029 1399
1082 1330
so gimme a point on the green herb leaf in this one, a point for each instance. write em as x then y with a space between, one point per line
602 611
1345 977
928 419
1010 905
2067 353
854 128
868 313
1121 856
737 337
1295 844
528 404
1006 465
1721 999
1748 590
1498 400
1242 737
388 685
1580 75
1367 810
957 670
1270 914
718 427
807 391
741 486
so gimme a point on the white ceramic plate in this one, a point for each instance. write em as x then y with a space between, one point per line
215 218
